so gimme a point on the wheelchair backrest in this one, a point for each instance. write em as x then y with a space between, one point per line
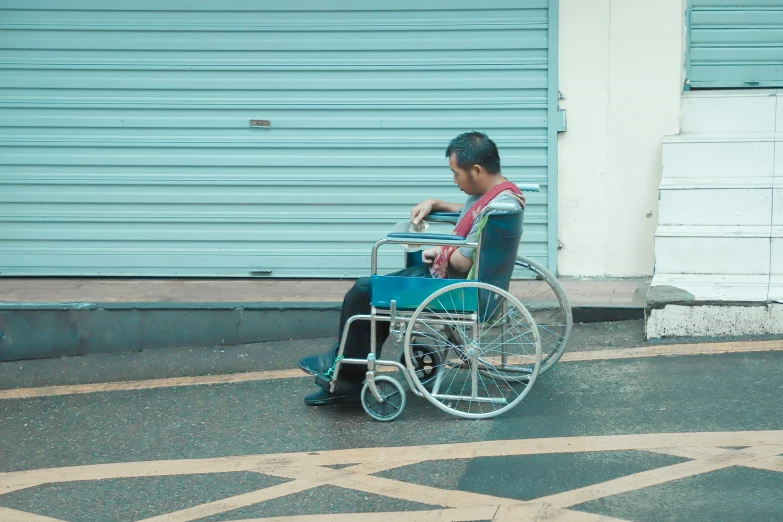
499 247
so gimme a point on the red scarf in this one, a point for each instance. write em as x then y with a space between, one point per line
440 266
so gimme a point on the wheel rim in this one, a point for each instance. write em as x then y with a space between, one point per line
468 381
547 302
393 399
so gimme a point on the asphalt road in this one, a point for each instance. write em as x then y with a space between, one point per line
614 433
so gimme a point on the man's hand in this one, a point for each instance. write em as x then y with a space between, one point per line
425 208
421 211
429 255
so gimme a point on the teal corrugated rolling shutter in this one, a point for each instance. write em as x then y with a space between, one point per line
735 44
126 146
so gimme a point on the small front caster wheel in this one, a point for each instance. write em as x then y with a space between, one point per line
393 399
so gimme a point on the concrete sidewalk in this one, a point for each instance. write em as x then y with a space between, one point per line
582 292
44 317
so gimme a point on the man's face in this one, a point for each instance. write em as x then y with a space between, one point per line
462 178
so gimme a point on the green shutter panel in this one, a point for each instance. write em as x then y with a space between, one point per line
735 44
127 148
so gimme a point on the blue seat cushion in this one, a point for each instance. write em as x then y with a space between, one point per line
410 292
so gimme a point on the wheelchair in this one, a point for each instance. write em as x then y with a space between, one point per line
470 347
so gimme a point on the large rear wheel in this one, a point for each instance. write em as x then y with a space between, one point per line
475 329
546 300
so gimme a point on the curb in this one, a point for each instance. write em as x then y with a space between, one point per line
601 314
41 330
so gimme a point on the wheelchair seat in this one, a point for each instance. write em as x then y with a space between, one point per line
498 248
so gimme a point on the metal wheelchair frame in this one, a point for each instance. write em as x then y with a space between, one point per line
400 320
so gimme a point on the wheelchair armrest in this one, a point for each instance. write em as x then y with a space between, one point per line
443 217
426 239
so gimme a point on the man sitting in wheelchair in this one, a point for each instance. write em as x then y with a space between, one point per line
475 163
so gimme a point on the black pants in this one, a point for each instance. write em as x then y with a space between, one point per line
357 345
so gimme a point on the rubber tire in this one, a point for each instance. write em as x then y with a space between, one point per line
548 360
367 394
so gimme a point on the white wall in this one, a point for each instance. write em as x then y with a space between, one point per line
621 72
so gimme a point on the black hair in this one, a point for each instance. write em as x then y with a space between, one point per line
475 148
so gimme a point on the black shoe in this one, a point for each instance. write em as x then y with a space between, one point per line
344 393
314 364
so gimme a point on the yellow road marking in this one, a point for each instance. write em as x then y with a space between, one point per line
674 349
416 492
23 516
76 389
306 478
594 355
546 512
768 464
235 502
307 469
435 515
659 476
270 464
